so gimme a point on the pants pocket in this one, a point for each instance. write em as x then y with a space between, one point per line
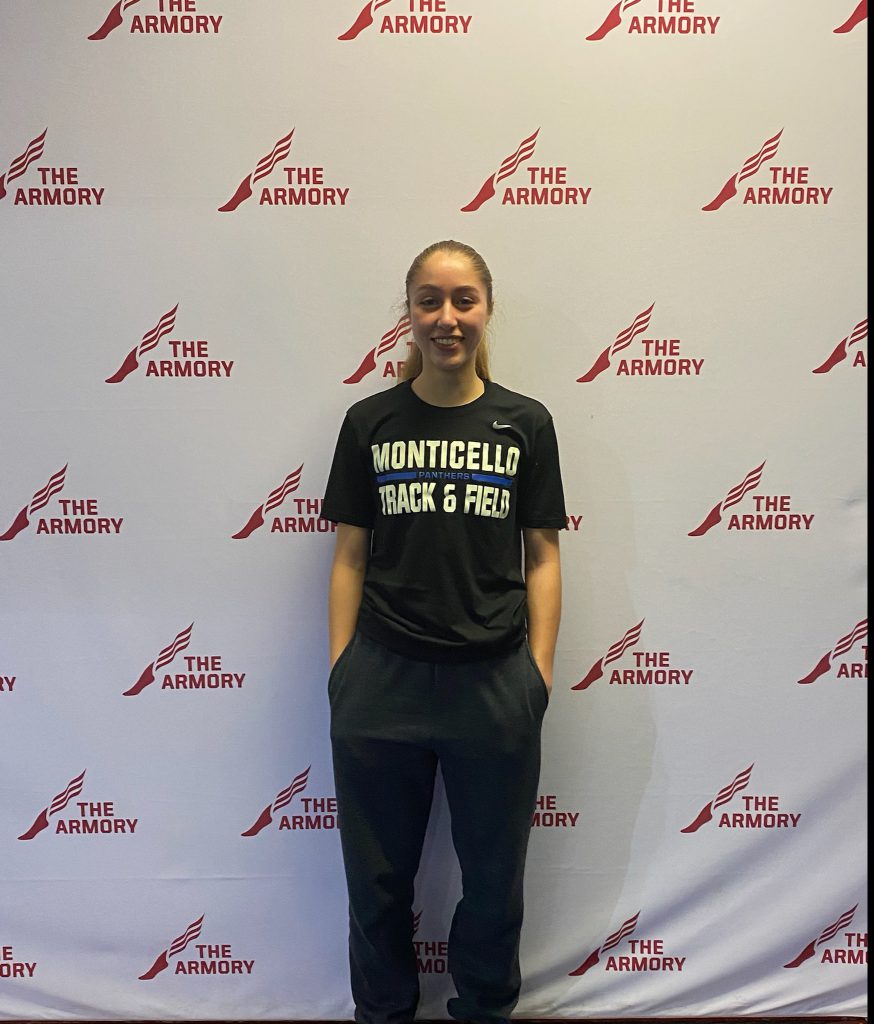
537 672
333 675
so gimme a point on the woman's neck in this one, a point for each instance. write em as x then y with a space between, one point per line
447 389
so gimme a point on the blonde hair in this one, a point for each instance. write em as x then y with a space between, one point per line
413 364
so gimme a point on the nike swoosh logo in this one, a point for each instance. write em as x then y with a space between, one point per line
502 426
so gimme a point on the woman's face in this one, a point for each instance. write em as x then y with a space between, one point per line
449 312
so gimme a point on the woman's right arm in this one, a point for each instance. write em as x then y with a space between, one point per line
351 550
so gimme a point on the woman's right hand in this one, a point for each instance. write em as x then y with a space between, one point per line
351 551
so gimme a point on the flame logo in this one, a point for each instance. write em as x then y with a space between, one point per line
729 189
524 151
283 798
364 19
623 339
150 341
20 164
858 333
73 789
616 651
714 516
860 14
386 343
739 782
613 20
417 920
181 641
274 499
162 961
826 936
625 929
858 632
113 19
264 167
38 501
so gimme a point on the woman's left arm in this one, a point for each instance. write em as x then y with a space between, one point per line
543 581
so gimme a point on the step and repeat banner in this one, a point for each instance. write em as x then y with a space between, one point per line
207 210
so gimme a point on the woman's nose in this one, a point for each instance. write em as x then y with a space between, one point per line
447 313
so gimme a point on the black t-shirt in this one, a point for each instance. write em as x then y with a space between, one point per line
446 492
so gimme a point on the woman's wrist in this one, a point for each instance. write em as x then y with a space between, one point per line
545 664
338 645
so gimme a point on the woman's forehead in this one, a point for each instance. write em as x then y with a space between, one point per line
447 269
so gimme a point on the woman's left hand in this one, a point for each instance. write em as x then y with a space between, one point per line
543 582
545 670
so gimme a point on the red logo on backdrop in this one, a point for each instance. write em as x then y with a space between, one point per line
547 185
212 957
714 516
274 499
316 813
264 167
94 818
773 511
857 955
623 340
59 186
790 185
114 19
7 684
857 670
613 20
19 165
73 789
661 357
624 930
79 515
761 811
859 14
767 152
185 20
651 668
37 502
308 509
10 967
739 782
684 23
364 19
190 358
644 954
426 17
858 334
548 815
524 151
386 343
432 955
282 799
147 677
162 961
150 341
615 652
305 186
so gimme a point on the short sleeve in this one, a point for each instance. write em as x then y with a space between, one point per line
541 495
349 494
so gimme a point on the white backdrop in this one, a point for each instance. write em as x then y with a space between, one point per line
173 376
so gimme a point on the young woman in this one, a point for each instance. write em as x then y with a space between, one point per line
441 648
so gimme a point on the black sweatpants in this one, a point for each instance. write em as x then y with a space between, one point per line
393 720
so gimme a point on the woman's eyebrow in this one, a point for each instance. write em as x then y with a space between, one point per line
437 288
